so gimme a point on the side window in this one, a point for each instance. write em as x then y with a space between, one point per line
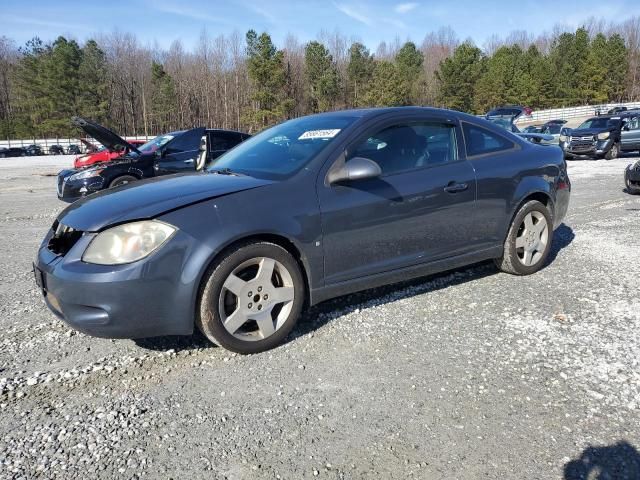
634 123
223 141
479 140
409 146
186 142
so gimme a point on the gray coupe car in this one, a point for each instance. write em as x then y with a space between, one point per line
313 208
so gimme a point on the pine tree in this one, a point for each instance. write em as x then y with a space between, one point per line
359 71
592 78
409 62
266 69
163 97
322 77
458 76
617 58
29 89
387 88
92 73
60 68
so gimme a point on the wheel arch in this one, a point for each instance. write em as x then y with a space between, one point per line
118 175
277 239
542 195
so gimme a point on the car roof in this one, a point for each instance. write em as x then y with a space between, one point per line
225 130
607 117
374 112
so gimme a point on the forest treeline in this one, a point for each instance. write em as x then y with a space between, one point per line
246 82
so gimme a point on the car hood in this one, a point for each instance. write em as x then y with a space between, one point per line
103 135
150 198
584 132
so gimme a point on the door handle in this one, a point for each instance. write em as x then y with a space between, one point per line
189 161
454 187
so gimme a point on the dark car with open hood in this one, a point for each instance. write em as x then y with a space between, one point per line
310 209
506 116
173 152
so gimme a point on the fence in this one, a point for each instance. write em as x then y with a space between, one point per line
536 116
574 112
45 143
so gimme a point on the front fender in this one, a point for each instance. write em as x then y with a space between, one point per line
218 223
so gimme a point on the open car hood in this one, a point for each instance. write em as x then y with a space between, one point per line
509 112
103 135
91 148
150 198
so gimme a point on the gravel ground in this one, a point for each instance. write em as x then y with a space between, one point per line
472 374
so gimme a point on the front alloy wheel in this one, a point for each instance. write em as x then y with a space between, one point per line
256 299
252 298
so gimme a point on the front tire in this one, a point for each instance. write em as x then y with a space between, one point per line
122 180
613 152
528 242
251 299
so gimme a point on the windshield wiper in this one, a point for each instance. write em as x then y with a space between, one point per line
227 171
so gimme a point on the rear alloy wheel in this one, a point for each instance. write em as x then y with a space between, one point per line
613 152
528 241
123 180
251 299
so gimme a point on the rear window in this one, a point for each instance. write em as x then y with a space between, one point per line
480 141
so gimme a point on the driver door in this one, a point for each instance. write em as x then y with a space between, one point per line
180 154
419 210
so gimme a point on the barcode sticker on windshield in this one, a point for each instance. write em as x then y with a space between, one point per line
319 134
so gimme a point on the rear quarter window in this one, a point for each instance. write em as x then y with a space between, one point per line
480 141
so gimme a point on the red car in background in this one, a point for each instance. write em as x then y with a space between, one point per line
103 154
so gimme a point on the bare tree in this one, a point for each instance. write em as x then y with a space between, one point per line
8 57
294 61
630 31
436 46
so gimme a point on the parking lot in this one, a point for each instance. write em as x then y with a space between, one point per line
467 375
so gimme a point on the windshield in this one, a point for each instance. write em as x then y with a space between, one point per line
283 150
154 144
600 123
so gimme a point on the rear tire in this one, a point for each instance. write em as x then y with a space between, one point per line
122 180
251 298
631 189
528 242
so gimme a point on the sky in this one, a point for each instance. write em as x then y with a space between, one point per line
367 21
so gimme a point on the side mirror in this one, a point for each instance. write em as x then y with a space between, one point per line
159 154
625 127
358 168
